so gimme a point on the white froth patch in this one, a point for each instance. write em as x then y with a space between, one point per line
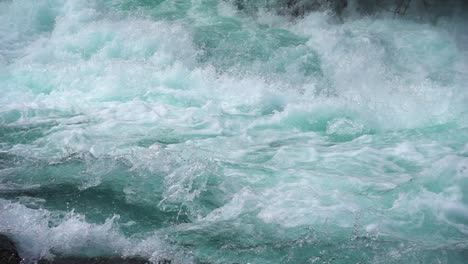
365 58
41 234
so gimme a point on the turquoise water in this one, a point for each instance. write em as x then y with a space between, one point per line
205 132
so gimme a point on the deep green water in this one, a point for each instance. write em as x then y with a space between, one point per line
198 132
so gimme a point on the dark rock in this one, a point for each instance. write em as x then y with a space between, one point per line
299 8
8 253
294 8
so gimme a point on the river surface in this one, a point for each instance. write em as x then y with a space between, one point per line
228 132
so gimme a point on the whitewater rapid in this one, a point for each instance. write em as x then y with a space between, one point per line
198 132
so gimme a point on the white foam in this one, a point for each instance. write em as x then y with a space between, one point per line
111 81
40 233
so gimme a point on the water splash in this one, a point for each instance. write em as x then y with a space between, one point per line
201 132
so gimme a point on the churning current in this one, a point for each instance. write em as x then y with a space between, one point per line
211 131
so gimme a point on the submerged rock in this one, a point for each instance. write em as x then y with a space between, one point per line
8 252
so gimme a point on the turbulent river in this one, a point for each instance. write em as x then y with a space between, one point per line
213 132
